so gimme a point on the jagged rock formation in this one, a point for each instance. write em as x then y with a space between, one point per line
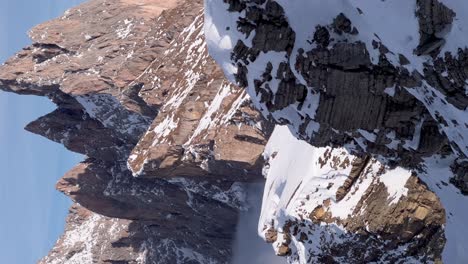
168 141
370 166
348 208
376 93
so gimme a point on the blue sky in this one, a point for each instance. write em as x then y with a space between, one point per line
32 211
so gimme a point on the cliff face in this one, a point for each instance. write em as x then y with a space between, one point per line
366 164
371 164
168 141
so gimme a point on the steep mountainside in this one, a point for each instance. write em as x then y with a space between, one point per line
371 163
168 140
353 110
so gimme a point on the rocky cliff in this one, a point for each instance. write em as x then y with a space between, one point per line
168 141
370 163
367 162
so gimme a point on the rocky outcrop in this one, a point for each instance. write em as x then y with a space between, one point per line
168 141
94 238
338 206
372 99
367 162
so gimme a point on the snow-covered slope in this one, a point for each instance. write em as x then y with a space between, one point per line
304 190
373 94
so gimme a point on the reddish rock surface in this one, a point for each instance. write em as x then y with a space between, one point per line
168 140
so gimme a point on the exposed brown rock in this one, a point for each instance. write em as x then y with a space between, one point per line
284 250
117 71
358 165
271 235
378 227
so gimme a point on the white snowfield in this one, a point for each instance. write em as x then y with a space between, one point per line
297 169
293 172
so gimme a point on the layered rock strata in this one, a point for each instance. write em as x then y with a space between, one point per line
375 91
168 141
